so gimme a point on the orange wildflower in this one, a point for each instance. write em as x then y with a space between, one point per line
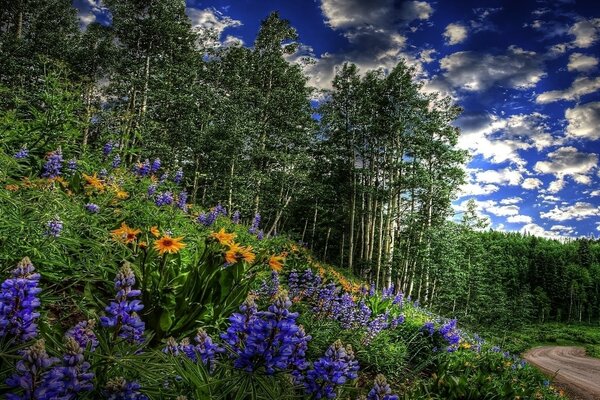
170 245
223 237
275 262
237 252
125 234
94 182
154 231
121 194
12 188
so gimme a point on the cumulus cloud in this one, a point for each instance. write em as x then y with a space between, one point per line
583 121
455 33
586 32
567 161
519 219
531 183
211 19
477 72
563 229
88 11
426 55
476 189
503 211
341 14
580 87
536 230
506 176
511 200
578 211
581 62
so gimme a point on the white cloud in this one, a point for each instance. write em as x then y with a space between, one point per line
519 219
211 19
548 198
503 211
455 33
476 72
511 200
88 11
581 62
580 87
584 120
566 161
595 193
506 176
578 211
343 14
563 229
426 55
531 183
585 32
476 189
536 230
412 10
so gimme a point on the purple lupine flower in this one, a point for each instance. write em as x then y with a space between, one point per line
83 333
72 377
172 347
347 311
364 314
93 208
219 210
428 327
151 189
120 389
335 368
54 227
381 390
163 178
372 289
206 349
182 201
235 218
293 284
142 169
255 224
375 326
399 320
72 165
18 302
206 219
398 299
164 199
269 339
155 165
23 153
116 162
53 166
270 287
108 148
30 368
178 176
260 235
122 313
450 334
386 293
327 300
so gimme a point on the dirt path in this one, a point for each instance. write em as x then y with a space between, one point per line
579 374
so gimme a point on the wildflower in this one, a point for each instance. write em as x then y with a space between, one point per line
178 176
12 188
94 182
206 349
54 227
108 148
66 381
450 334
163 178
155 165
72 165
206 219
255 223
103 173
182 201
223 237
125 234
151 189
375 326
164 199
116 162
154 231
23 153
18 302
236 217
275 262
142 169
381 390
121 194
271 287
260 235
93 208
30 368
428 327
53 166
237 252
120 389
172 347
122 313
84 335
334 369
397 321
219 210
170 245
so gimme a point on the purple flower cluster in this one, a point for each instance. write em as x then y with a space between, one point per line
255 224
83 334
93 208
450 334
334 369
54 227
116 162
270 287
108 148
428 327
155 165
178 176
235 218
182 201
142 169
30 371
205 349
120 389
18 302
269 339
375 326
151 189
72 165
53 166
209 218
381 390
23 153
122 313
164 199
303 285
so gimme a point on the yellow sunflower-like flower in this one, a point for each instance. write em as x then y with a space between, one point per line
121 194
237 252
276 263
94 182
223 237
125 234
12 188
154 231
170 245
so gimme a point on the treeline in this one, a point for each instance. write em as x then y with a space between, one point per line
365 175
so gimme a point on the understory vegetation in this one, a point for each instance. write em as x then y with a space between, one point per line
180 218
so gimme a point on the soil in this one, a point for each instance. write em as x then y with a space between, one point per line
570 368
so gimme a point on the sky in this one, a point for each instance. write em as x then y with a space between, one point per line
526 74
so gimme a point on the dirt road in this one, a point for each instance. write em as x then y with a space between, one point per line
579 374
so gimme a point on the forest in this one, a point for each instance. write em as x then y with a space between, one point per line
361 177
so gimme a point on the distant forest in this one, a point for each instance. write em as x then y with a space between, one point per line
364 174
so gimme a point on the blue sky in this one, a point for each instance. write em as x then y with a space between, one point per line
526 73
